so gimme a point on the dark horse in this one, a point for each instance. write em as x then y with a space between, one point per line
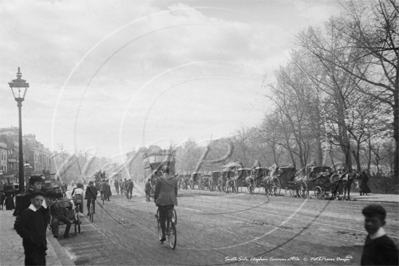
345 182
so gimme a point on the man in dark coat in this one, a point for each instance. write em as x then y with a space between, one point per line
91 196
130 187
116 184
107 192
165 197
32 228
35 184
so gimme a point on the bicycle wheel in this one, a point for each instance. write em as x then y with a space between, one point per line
174 217
159 226
172 236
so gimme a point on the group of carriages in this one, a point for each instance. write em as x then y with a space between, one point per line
320 182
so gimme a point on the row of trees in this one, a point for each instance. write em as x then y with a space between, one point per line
336 100
340 88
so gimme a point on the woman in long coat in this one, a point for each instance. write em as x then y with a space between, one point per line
363 180
107 192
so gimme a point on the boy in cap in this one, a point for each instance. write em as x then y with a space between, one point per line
378 249
32 228
35 184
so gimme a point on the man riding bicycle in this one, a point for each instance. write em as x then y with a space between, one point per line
91 195
165 197
77 196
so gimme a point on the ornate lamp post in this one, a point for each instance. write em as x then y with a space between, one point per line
19 87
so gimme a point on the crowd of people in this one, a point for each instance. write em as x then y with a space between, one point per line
124 187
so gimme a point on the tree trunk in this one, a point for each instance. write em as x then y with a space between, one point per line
396 132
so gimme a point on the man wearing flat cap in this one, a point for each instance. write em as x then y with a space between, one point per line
35 185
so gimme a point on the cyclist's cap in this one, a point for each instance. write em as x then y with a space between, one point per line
91 183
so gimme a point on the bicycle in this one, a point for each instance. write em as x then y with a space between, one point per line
171 232
91 210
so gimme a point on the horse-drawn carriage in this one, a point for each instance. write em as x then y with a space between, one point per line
227 181
241 177
260 177
206 181
319 179
292 184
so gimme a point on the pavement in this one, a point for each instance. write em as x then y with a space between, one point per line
12 252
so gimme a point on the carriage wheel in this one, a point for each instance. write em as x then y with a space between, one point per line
318 193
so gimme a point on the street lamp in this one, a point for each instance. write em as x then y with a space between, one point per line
19 87
28 169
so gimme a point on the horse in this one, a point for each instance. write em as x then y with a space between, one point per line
345 181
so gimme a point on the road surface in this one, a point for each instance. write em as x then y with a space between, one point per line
220 229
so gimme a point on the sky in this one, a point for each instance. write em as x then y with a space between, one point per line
111 76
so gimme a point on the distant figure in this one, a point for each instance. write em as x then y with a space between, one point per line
103 187
9 192
107 192
378 249
116 184
363 180
147 189
130 187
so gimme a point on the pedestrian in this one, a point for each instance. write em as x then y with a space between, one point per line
9 192
378 249
130 187
35 185
107 192
147 189
102 189
165 198
57 213
116 184
91 196
363 180
32 228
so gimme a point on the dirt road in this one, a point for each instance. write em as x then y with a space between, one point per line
216 229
